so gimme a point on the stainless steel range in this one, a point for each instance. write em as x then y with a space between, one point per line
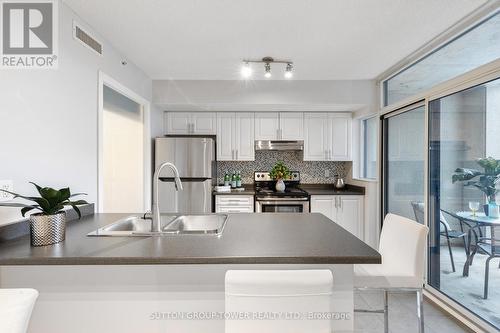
268 200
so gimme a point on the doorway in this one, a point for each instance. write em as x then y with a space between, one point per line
124 162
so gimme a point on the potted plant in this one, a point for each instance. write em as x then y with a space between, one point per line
278 173
486 181
49 225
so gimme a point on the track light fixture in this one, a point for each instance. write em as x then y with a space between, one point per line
289 71
267 67
246 70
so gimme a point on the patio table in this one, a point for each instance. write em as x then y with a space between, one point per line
478 220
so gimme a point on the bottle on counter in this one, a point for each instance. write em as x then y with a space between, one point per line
233 180
227 180
238 179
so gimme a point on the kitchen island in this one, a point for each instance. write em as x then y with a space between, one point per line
119 283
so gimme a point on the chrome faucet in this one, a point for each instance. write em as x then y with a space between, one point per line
156 222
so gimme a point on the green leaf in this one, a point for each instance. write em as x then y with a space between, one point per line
78 202
77 194
27 209
39 188
77 210
65 194
463 174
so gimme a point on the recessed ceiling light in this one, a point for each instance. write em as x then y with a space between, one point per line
246 70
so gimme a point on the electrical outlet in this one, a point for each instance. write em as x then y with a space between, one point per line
327 173
7 185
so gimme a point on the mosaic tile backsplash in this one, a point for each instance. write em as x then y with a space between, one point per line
311 172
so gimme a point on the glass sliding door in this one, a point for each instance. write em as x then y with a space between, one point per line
403 162
464 127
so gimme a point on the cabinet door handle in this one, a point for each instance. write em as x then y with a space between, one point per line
236 154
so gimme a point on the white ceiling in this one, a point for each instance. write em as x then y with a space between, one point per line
326 39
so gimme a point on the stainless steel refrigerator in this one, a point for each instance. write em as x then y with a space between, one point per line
194 157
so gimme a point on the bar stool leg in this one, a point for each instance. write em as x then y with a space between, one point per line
420 311
386 311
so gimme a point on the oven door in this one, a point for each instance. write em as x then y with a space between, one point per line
282 206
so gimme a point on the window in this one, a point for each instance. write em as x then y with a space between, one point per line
368 151
473 48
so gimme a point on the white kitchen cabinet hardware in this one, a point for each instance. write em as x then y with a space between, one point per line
229 203
235 136
327 136
190 123
279 126
345 210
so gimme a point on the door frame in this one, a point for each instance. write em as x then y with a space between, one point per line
106 80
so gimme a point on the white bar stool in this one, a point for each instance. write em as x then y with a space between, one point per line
402 246
258 294
16 306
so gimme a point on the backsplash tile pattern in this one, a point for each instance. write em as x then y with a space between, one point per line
311 172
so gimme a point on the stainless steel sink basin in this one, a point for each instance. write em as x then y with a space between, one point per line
197 224
210 224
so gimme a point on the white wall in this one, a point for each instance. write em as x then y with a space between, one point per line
258 95
49 117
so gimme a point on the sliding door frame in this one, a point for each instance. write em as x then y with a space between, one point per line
480 75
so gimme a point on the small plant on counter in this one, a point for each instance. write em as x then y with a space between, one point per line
49 225
279 171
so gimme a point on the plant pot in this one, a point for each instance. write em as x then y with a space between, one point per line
47 229
280 185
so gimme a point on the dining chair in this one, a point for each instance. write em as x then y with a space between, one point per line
16 306
445 229
402 247
277 291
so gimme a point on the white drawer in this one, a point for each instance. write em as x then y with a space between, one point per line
234 200
234 209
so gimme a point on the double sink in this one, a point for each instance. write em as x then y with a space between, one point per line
208 224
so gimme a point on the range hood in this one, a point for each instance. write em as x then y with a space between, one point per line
279 145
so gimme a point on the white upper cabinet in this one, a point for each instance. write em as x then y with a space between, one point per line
341 129
291 126
279 126
225 136
267 125
204 122
190 123
327 137
245 136
315 136
235 136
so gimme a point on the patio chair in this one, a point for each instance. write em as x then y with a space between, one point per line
445 229
491 247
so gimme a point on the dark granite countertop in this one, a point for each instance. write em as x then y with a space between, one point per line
249 189
247 239
329 189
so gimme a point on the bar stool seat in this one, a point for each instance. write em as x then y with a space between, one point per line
254 292
376 277
402 246
16 306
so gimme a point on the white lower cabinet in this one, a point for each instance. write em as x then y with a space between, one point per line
228 203
345 210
